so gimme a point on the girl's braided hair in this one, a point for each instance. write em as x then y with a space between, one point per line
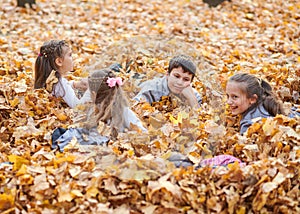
45 62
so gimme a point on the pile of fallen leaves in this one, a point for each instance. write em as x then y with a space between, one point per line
132 174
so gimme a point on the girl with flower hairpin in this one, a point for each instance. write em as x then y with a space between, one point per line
110 107
52 64
111 104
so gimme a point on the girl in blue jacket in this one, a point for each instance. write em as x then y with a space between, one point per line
252 97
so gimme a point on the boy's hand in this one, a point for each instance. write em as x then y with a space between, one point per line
189 94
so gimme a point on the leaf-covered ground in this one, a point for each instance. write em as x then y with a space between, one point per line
131 174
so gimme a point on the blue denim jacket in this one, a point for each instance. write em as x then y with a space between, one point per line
62 137
247 118
260 111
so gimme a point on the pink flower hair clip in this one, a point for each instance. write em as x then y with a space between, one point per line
113 81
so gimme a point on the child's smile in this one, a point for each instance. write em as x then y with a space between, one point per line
237 99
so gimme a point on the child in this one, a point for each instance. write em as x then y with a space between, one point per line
181 160
111 102
177 81
110 107
252 97
52 64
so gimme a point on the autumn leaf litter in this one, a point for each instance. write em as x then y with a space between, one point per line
132 174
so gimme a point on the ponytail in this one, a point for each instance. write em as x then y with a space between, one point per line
270 100
253 85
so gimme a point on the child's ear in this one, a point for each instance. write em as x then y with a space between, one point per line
58 61
253 99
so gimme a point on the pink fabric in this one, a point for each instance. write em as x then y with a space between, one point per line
113 81
221 160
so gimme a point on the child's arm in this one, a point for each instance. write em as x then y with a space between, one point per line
65 90
82 84
130 117
190 96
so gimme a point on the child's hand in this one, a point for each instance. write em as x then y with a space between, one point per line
186 92
189 94
81 84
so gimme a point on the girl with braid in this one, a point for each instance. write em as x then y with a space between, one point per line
52 64
252 97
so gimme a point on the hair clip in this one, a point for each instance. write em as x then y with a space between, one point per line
113 81
259 82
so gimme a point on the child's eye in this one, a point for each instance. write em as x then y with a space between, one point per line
234 97
186 80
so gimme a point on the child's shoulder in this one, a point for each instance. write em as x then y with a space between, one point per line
256 112
156 82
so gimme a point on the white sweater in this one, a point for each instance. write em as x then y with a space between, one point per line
65 90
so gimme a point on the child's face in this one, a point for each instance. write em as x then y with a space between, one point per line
65 64
178 80
237 99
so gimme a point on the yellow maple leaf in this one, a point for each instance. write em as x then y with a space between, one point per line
18 161
76 192
61 116
92 191
161 27
6 201
59 160
241 210
22 170
14 102
174 120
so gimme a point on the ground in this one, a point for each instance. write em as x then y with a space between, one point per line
132 174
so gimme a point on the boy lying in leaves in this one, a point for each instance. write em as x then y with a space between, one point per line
176 82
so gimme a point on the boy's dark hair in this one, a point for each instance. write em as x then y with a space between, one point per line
183 61
253 85
45 61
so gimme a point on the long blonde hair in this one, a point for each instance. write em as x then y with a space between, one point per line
109 101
